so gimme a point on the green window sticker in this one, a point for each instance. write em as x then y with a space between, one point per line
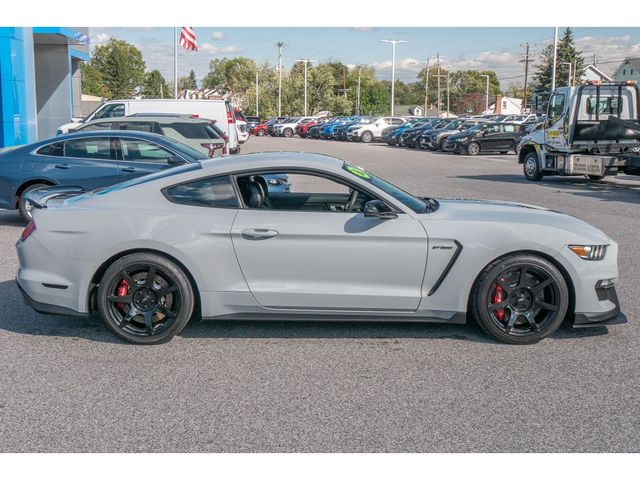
357 172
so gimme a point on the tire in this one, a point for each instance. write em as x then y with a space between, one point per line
531 168
23 207
366 137
144 315
260 133
441 145
288 133
516 149
473 148
503 153
595 178
534 308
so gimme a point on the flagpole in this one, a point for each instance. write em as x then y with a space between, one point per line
175 62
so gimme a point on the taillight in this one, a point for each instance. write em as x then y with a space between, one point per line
212 148
28 230
229 117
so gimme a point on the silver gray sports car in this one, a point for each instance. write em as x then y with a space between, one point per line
210 240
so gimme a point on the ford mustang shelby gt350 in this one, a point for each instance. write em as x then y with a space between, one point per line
210 240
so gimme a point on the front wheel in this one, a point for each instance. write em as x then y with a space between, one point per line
520 299
288 133
531 168
260 133
145 298
366 137
473 148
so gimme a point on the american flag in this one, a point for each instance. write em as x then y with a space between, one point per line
188 39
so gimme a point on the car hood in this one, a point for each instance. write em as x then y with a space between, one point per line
500 212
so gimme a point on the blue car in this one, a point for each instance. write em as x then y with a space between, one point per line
91 160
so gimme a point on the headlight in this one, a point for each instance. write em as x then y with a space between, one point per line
589 252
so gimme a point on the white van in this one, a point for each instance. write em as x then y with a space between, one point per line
219 110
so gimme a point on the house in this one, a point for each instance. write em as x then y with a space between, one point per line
504 106
629 69
591 72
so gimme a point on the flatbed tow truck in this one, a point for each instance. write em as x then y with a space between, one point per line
591 130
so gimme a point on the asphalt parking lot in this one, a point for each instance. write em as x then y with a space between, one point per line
68 385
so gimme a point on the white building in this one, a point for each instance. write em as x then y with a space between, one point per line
591 72
504 106
629 69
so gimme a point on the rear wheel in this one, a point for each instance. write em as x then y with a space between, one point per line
520 299
473 148
25 207
288 133
366 137
145 298
260 133
531 168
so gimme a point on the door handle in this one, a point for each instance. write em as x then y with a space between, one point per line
258 233
129 169
63 166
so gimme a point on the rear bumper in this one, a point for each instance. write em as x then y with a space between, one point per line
48 308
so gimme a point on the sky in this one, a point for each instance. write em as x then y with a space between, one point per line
463 48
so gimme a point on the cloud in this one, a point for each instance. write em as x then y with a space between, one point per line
610 51
217 36
216 50
99 38
364 29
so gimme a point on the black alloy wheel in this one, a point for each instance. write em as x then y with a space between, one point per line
145 298
520 299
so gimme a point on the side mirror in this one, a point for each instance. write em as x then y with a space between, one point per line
176 161
379 209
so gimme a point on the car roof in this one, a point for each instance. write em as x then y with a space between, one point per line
249 161
150 118
105 133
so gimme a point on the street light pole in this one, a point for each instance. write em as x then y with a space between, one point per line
358 92
486 99
280 46
426 89
393 67
555 59
305 81
448 83
257 92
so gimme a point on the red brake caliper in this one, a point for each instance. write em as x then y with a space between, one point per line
123 291
497 297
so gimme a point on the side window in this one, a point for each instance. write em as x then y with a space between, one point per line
492 129
90 148
208 192
142 151
556 108
137 126
509 128
397 121
97 126
52 150
110 111
300 191
180 131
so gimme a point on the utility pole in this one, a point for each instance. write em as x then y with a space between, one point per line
426 89
448 83
358 92
280 46
175 62
393 67
161 92
555 59
526 60
438 100
257 92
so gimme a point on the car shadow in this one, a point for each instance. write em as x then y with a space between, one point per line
608 191
10 218
19 318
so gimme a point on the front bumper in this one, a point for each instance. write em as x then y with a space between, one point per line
597 319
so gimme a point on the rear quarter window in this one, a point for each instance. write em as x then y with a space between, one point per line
197 131
51 150
208 192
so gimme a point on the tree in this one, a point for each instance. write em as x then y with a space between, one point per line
92 81
155 86
120 67
566 53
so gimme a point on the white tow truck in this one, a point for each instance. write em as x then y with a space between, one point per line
591 130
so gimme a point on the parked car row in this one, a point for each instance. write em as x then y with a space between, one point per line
468 135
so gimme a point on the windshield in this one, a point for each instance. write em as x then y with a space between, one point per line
405 198
478 127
